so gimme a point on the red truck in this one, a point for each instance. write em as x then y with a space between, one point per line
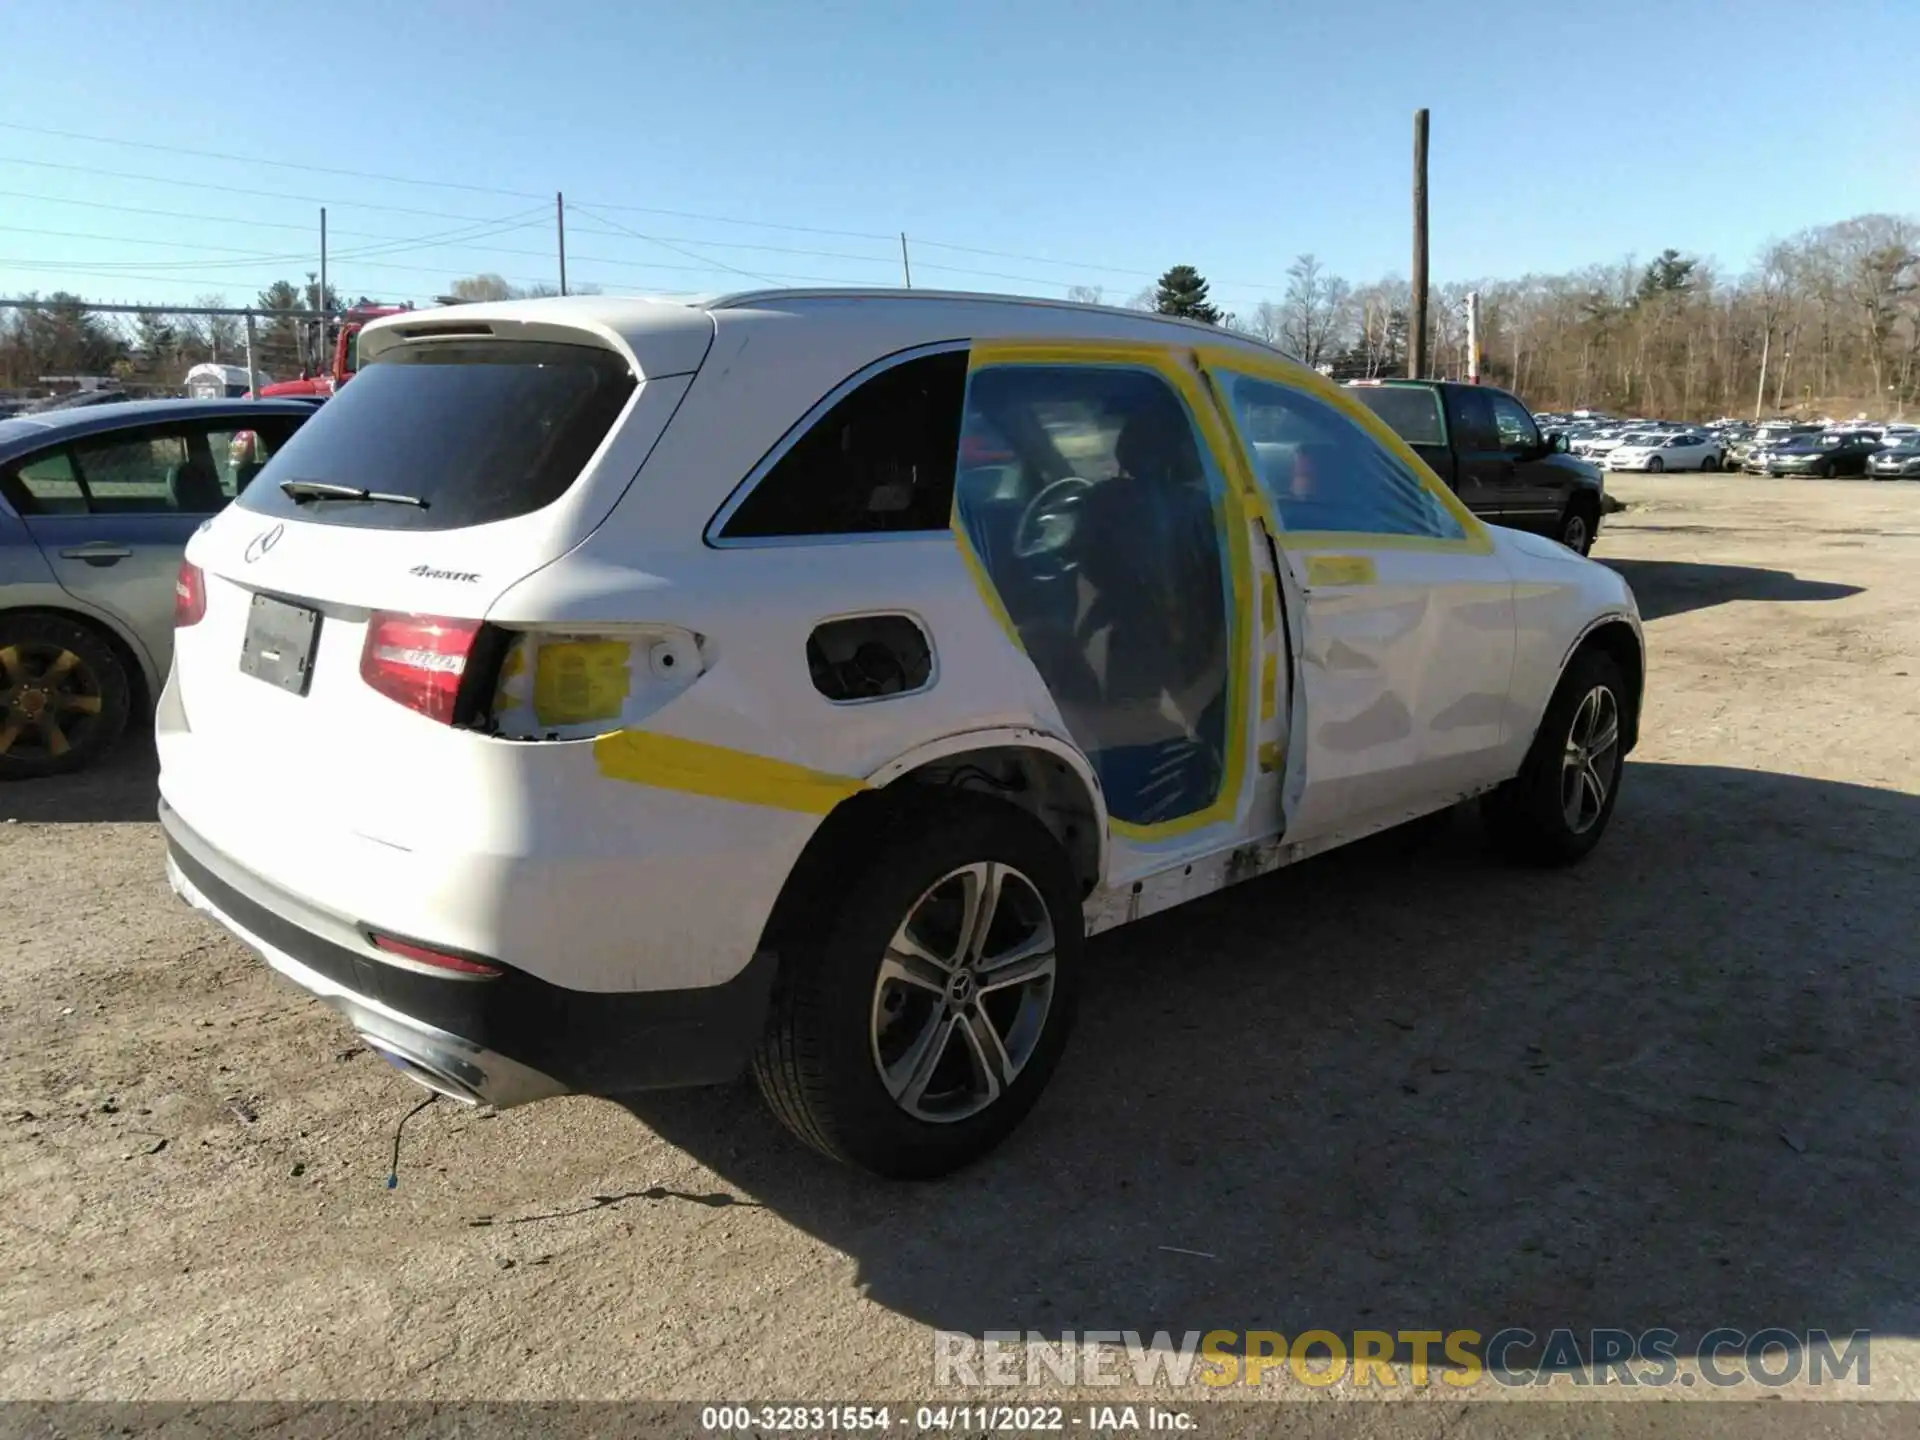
346 357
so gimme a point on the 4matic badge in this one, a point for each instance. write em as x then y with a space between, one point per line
427 572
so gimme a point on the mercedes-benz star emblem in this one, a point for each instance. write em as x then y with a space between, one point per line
263 542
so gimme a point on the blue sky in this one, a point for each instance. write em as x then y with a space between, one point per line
1097 143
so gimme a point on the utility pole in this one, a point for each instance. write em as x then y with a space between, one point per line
1760 395
1417 321
560 227
324 359
1473 337
906 267
253 372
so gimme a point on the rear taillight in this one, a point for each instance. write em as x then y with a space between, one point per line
189 595
418 660
428 955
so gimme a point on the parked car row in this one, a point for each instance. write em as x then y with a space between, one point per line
1783 447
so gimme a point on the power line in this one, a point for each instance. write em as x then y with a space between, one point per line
247 256
667 245
671 243
236 255
236 189
748 245
506 225
276 164
306 227
231 158
1078 265
63 268
375 176
735 220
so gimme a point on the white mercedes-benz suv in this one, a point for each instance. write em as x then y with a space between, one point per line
604 694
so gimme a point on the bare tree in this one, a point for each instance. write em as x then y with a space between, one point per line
1879 268
1314 311
482 287
1084 294
1267 322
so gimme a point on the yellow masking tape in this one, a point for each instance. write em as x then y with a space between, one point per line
1234 501
1270 690
668 762
1341 570
1271 754
982 581
575 681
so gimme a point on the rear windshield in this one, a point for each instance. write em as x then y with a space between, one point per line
1412 411
480 430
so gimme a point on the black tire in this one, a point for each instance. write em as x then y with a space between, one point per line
64 695
818 1065
1527 818
1710 464
1656 465
1579 524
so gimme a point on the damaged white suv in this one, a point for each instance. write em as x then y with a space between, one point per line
604 694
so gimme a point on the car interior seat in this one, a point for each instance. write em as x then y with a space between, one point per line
194 487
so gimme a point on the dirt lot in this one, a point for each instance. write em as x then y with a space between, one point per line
1671 1088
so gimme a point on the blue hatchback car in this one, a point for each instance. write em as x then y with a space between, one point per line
96 505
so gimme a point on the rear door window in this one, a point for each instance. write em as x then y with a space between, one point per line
1411 411
45 484
478 430
139 472
1474 428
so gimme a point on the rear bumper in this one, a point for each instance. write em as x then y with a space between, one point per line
501 1041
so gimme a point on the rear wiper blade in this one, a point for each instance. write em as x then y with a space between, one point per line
298 490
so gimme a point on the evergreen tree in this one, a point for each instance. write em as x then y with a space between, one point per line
1671 273
1182 291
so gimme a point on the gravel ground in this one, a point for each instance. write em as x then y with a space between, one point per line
1389 1089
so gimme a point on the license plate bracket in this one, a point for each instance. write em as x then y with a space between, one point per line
279 643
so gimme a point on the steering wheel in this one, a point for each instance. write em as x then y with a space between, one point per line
1047 524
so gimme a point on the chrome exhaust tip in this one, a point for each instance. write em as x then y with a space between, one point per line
424 1072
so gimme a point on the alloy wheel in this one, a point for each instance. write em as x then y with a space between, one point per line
1591 761
49 699
963 992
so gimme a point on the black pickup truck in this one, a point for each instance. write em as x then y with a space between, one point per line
1486 446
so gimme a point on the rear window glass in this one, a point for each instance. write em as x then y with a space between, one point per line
480 430
881 460
1412 411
